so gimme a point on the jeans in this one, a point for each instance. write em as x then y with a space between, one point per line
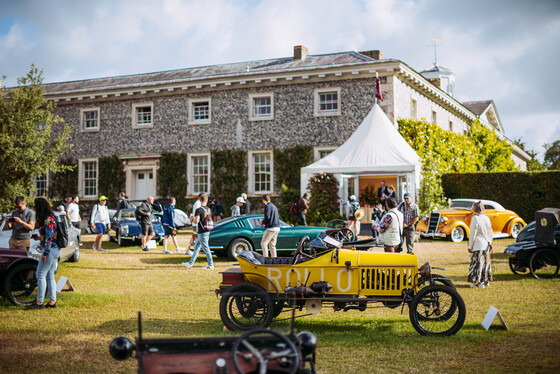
45 275
202 241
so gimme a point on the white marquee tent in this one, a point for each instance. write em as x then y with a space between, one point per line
376 148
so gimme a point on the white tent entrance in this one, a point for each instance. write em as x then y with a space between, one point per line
375 151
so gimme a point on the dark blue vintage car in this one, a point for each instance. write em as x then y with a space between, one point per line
126 229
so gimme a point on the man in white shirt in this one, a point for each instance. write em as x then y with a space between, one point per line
73 212
392 227
100 220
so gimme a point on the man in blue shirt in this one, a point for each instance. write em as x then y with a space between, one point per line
168 222
271 223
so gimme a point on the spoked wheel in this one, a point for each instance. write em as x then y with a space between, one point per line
246 306
516 269
544 264
345 235
437 310
278 307
20 284
280 357
457 234
237 246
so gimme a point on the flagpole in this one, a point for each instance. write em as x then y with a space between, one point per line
376 77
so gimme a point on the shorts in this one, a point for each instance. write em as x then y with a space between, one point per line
21 244
168 230
101 228
147 228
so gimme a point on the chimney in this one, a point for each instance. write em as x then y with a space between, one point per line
375 54
300 52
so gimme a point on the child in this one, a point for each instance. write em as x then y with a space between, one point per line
376 217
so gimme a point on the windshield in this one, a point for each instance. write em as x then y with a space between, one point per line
127 216
461 204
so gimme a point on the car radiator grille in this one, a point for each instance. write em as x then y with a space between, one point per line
433 223
386 280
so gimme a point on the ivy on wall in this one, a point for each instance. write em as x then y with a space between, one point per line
172 178
112 178
229 176
288 163
443 151
324 204
64 183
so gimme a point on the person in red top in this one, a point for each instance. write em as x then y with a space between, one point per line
302 209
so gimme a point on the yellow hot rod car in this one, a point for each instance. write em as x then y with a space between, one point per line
257 291
454 223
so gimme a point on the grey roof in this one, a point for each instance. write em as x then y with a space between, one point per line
215 71
477 107
437 68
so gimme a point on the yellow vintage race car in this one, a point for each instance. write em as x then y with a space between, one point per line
454 223
257 291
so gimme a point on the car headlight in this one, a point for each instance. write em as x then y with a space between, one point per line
443 220
425 218
124 230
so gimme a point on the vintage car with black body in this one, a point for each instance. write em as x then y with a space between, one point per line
18 281
256 351
539 254
257 291
233 235
126 229
454 223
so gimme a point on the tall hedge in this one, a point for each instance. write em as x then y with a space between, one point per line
172 178
229 175
522 192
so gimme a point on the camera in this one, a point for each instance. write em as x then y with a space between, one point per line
11 219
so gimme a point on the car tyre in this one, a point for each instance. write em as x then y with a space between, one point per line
437 310
514 269
245 306
515 229
544 264
237 246
457 235
76 255
20 284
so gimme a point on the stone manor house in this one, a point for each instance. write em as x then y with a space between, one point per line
304 99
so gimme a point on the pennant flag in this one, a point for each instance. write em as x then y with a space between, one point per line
378 89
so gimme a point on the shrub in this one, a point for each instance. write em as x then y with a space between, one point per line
324 203
172 178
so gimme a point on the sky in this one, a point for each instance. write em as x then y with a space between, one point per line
503 50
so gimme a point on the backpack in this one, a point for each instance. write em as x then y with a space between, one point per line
294 209
137 214
207 223
61 239
127 204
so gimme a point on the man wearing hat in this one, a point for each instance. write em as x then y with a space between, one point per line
410 217
100 220
236 208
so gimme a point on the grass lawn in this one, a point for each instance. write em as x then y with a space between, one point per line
112 286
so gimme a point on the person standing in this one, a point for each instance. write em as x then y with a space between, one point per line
480 245
168 222
73 212
411 214
123 202
392 227
390 193
67 200
146 212
236 208
382 194
100 220
22 222
218 210
271 222
302 209
49 256
353 221
202 241
246 207
376 219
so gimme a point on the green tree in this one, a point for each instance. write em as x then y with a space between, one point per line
533 164
324 204
494 153
32 138
552 155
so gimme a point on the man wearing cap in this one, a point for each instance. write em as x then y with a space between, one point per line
100 220
236 208
410 217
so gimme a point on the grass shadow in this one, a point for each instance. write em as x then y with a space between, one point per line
164 327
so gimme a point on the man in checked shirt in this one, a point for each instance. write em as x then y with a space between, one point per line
411 214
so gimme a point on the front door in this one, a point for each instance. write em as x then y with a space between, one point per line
143 184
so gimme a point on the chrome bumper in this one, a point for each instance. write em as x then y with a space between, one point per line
432 234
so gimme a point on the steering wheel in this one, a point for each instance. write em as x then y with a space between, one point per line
284 352
299 251
344 235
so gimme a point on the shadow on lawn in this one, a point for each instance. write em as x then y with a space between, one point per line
160 327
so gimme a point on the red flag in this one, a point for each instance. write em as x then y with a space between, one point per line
378 89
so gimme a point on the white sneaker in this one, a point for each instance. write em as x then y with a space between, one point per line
93 247
474 285
166 251
187 265
180 249
189 253
209 267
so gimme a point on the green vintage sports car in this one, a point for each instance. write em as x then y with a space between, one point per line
233 235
